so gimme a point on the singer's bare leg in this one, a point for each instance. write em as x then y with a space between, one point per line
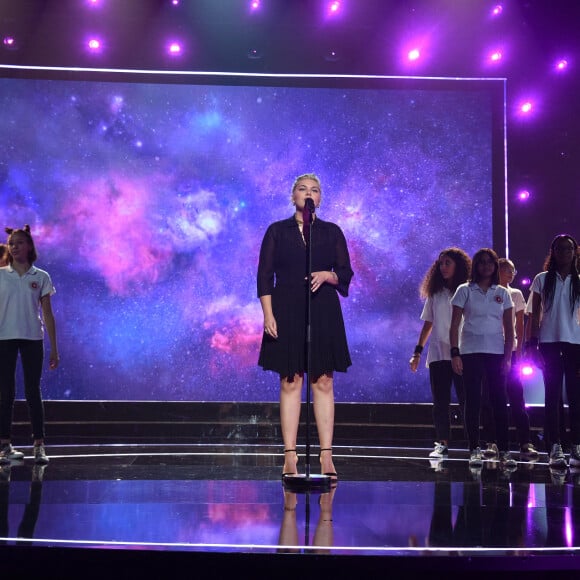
290 400
323 398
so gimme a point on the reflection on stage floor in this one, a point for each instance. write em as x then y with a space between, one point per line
391 502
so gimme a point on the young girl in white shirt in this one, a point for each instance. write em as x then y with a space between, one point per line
451 269
482 348
555 329
24 291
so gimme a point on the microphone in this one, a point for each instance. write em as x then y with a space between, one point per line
309 205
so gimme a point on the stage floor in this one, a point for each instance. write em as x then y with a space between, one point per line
390 503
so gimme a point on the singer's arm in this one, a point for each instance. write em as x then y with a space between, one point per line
270 326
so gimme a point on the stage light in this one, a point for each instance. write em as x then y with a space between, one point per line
174 48
524 195
333 7
414 54
526 107
527 370
525 281
331 56
255 5
561 65
497 10
94 45
9 43
495 56
254 54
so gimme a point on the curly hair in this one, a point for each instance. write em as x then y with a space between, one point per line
551 267
477 258
434 282
32 255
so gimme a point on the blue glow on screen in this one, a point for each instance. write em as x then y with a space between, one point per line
148 202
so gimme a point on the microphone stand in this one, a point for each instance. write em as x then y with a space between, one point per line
308 482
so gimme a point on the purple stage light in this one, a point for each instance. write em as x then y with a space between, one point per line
174 49
9 42
255 5
526 107
495 56
525 281
414 54
524 195
94 45
526 370
333 7
497 10
561 65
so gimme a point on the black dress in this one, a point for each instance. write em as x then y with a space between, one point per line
282 273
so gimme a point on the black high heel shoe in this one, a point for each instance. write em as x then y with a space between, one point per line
290 451
333 475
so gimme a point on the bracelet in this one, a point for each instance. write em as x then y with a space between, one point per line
455 351
418 349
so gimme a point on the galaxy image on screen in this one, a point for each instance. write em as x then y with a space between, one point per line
148 199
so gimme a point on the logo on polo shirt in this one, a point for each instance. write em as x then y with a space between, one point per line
498 299
34 285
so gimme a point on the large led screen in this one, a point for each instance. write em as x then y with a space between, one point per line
148 196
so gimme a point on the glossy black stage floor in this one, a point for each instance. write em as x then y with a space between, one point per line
147 509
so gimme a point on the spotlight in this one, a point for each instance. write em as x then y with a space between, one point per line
414 54
255 5
174 48
561 65
333 7
524 195
332 56
9 43
254 54
94 45
526 107
495 56
526 370
497 10
525 281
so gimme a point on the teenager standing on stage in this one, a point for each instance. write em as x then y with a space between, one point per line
451 269
283 291
482 348
555 329
25 292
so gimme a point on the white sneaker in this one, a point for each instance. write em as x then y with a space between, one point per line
8 453
557 458
476 458
507 461
440 451
40 455
491 450
575 455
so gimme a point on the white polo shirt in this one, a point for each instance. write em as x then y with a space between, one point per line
482 330
558 324
519 305
20 313
437 310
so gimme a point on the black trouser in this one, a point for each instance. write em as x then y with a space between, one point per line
476 367
32 357
519 414
561 359
441 376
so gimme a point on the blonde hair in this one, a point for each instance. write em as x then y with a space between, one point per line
312 176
